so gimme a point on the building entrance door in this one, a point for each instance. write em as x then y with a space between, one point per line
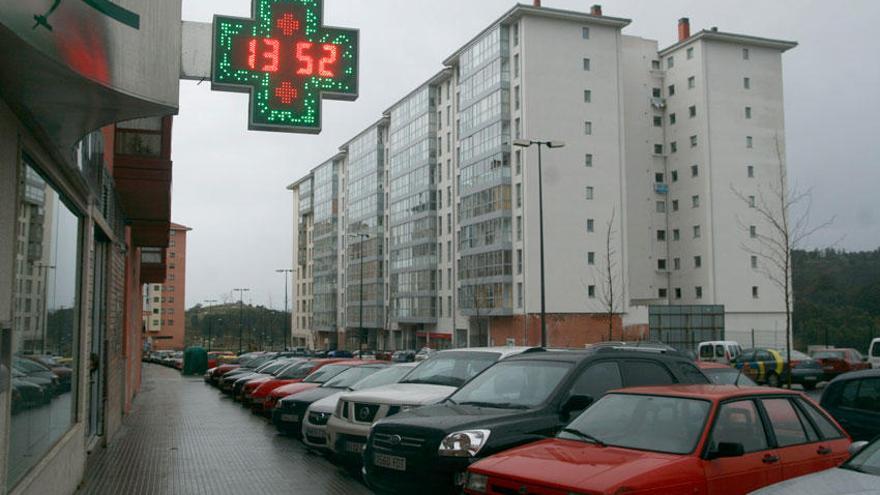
97 348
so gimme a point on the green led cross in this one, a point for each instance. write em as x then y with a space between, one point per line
288 62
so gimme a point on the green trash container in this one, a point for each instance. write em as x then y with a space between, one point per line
195 361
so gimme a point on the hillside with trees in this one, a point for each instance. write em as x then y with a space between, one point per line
262 328
837 298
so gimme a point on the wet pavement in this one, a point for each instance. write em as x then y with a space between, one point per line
184 437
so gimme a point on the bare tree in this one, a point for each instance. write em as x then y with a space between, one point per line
785 211
479 318
609 291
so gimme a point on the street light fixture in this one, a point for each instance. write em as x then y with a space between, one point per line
526 143
363 237
240 324
286 272
210 302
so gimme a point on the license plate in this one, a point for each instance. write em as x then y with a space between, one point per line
355 447
316 433
290 418
810 378
390 462
829 368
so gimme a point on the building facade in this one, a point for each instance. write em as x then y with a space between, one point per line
647 209
165 304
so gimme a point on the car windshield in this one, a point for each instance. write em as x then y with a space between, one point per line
296 371
867 461
274 367
257 362
828 355
796 355
513 385
729 377
644 422
326 373
386 376
351 376
452 369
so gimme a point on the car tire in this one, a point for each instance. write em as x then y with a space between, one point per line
773 380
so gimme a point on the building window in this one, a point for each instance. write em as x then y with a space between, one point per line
655 92
516 100
673 147
674 175
588 96
586 64
750 171
755 291
750 143
753 231
698 261
661 293
658 149
747 83
697 232
591 258
754 262
692 111
748 112
591 225
674 205
751 201
517 128
516 65
690 53
588 193
676 263
585 33
518 160
698 291
695 201
515 29
519 261
588 160
692 82
519 295
695 170
519 228
693 141
661 235
670 62
676 235
519 195
678 292
588 128
591 292
745 53
655 64
671 90
661 264
661 206
658 121
671 119
658 177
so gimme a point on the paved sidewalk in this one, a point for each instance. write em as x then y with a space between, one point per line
184 437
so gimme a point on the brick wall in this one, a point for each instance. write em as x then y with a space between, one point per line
563 330
116 369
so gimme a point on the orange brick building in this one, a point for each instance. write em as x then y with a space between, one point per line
165 305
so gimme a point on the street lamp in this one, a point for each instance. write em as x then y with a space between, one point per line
44 315
286 272
240 306
363 237
209 302
525 143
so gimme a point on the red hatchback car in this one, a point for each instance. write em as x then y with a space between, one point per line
836 362
694 440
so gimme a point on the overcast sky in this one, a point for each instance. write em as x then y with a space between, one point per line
230 184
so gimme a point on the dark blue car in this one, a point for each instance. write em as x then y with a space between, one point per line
854 401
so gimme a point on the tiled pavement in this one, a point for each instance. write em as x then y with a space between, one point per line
184 437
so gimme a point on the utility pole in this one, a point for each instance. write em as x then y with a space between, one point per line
363 337
240 323
286 272
210 302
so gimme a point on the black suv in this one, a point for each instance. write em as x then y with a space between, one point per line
516 401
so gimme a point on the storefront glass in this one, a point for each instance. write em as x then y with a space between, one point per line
45 323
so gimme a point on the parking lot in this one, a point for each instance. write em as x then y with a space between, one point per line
185 438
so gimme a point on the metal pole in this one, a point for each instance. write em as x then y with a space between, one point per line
210 304
240 320
363 336
541 228
286 315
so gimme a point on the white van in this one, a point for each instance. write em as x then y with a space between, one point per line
874 353
719 351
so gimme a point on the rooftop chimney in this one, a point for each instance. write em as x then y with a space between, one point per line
684 29
537 3
596 10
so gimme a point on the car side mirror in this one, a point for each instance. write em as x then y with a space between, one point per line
856 447
577 403
727 449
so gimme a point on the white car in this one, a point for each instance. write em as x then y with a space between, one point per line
314 428
874 353
429 383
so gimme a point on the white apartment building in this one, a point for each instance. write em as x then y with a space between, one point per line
441 211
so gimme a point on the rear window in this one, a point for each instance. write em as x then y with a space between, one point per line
829 355
706 351
691 373
875 349
719 351
642 373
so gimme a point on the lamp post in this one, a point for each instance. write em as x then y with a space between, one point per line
525 143
240 307
286 272
363 337
44 278
210 302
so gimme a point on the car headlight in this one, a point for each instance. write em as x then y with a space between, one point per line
463 443
477 482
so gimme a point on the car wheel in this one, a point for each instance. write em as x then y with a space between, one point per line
773 380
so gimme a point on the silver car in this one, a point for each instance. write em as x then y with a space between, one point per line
858 476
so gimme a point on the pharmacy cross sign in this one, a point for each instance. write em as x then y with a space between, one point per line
287 60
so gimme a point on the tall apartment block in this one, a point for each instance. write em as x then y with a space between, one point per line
165 304
425 228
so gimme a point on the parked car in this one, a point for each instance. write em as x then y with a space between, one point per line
37 373
314 429
854 401
228 380
673 440
424 353
719 351
291 373
858 476
722 374
63 372
516 401
267 372
403 356
429 383
805 370
288 413
26 394
266 396
836 362
339 354
874 354
770 367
